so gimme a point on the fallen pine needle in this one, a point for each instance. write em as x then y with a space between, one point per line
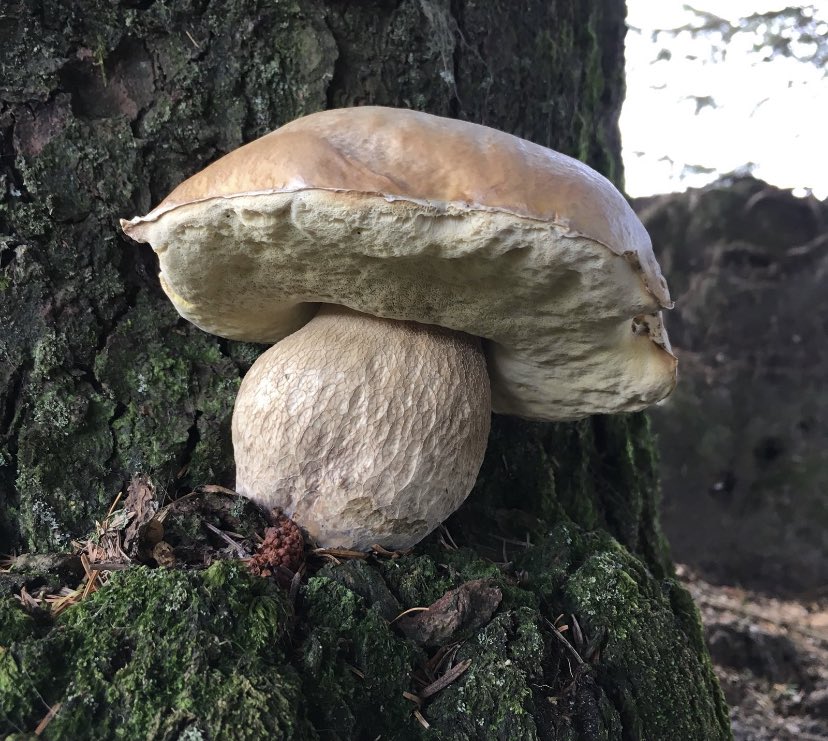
214 489
356 671
410 609
577 632
378 550
443 655
445 531
114 504
338 553
450 676
559 635
190 36
227 539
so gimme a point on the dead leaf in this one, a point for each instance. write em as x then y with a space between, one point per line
141 500
462 610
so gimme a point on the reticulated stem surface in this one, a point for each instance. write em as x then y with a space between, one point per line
364 430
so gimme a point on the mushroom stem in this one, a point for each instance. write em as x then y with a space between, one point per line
364 430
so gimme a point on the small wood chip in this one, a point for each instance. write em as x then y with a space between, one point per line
215 489
462 609
450 676
88 588
67 600
47 719
411 697
423 722
86 566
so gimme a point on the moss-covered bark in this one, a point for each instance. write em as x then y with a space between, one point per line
171 654
105 106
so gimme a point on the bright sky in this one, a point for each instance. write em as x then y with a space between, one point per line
772 114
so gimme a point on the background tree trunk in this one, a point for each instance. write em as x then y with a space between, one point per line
105 107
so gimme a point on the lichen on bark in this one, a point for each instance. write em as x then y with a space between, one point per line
111 106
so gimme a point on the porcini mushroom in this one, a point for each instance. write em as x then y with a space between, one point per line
416 272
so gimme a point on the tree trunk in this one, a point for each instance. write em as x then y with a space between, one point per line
105 107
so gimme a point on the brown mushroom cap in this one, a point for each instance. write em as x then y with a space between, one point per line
409 216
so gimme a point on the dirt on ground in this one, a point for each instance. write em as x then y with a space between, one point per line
771 657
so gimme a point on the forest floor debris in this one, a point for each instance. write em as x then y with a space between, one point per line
771 657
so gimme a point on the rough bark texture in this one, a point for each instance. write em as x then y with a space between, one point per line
105 106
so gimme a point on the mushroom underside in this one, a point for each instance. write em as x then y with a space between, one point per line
365 431
560 313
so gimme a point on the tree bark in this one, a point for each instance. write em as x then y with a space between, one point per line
105 107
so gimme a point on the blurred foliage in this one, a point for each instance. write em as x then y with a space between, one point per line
798 32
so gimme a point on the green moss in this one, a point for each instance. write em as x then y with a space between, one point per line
60 490
170 383
15 624
355 667
494 698
124 104
597 473
652 664
172 651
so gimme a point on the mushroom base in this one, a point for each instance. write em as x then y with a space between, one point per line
365 431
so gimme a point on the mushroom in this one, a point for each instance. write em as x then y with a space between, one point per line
416 273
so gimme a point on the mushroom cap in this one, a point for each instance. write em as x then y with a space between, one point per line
410 216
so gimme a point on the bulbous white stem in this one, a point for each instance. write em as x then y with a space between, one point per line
364 430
